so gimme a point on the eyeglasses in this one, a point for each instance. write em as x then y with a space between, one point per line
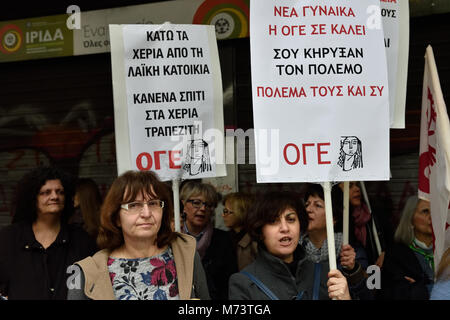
138 206
227 212
197 204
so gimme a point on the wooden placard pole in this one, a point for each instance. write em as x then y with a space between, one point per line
330 229
176 203
346 212
374 228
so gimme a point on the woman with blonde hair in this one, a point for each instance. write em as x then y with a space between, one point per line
141 257
236 205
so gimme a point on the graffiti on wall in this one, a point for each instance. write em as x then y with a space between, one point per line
81 141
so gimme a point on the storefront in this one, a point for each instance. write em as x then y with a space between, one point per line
59 109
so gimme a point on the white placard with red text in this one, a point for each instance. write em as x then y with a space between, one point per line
320 91
167 100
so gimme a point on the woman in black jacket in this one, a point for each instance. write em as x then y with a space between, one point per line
39 246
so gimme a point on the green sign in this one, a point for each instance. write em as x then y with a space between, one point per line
49 37
35 38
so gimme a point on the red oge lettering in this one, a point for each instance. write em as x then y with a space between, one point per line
174 156
320 152
285 154
157 159
293 30
139 161
318 148
304 145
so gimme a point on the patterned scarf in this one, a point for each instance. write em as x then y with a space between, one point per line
318 255
361 216
203 238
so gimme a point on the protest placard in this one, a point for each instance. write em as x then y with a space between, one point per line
167 100
320 91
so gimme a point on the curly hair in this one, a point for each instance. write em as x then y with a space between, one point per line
124 189
30 186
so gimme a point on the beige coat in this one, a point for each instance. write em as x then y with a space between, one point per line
190 274
246 251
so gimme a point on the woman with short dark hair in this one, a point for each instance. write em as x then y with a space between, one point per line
281 270
141 257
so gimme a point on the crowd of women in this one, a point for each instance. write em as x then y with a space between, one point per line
66 242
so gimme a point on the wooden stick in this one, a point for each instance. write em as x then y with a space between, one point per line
176 203
346 214
374 228
330 229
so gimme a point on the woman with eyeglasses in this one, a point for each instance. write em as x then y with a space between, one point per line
236 205
214 245
141 257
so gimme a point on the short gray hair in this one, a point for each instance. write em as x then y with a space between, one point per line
405 229
194 188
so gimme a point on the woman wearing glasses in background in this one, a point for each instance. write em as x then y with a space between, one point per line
142 258
214 245
236 205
